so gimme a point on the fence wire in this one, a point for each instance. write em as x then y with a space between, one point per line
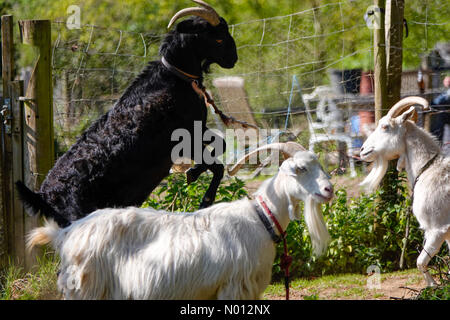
93 65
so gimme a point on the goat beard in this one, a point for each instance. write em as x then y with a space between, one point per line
375 176
317 228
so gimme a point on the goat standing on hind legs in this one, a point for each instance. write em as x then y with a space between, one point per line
428 171
126 153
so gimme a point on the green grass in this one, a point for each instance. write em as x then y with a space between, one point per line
341 286
38 284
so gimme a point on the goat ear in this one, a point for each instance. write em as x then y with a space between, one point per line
288 167
406 115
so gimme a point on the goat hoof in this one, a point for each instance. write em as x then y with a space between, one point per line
205 203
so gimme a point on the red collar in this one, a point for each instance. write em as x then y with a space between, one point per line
286 259
272 217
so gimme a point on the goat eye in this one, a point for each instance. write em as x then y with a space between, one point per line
219 40
384 127
300 170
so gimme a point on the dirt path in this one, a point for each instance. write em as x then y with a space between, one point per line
398 285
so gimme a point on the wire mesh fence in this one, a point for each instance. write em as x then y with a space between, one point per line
324 53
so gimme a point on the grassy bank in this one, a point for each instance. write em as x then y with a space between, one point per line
40 284
393 285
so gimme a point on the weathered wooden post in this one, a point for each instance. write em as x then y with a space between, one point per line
388 54
38 115
17 216
380 74
14 217
394 41
39 148
394 49
8 164
6 194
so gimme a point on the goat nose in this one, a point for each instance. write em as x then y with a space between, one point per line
329 189
362 148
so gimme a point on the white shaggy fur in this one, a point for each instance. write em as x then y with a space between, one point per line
396 137
221 252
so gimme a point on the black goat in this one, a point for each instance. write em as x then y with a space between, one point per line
126 153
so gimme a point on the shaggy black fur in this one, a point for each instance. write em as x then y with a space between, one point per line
126 153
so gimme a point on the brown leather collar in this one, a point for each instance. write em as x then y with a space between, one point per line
180 73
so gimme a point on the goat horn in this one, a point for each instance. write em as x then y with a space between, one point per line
207 12
288 149
405 103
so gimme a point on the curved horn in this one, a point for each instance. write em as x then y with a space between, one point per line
405 103
288 149
207 13
205 5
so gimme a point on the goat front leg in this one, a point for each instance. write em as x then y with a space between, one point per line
219 146
217 169
211 163
433 242
194 172
208 199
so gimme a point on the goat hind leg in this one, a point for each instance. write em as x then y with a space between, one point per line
433 243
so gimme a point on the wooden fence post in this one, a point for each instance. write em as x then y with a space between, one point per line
394 49
38 135
6 197
380 74
17 216
394 41
38 116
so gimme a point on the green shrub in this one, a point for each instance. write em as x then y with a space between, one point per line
174 194
441 292
361 235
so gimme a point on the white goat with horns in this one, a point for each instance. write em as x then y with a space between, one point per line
428 171
220 252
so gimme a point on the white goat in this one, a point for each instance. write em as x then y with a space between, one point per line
220 252
428 171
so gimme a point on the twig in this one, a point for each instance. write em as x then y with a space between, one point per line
408 288
405 240
172 204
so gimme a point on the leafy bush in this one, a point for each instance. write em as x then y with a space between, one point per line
441 292
361 235
174 194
